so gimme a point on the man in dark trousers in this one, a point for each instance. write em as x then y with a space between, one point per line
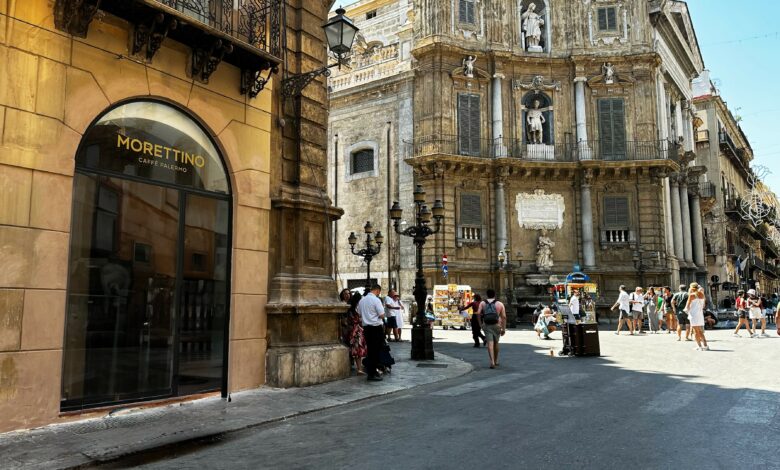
476 322
372 312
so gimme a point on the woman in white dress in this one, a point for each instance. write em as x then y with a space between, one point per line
695 309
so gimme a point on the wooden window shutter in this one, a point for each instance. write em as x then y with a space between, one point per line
612 128
470 209
468 124
616 211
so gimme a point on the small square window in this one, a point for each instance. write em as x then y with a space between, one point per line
371 14
362 161
607 17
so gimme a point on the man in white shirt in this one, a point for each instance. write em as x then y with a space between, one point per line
372 312
392 311
637 300
574 307
625 311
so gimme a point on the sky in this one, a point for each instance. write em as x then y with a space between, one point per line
740 44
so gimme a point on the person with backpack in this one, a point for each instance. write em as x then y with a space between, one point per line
492 315
679 303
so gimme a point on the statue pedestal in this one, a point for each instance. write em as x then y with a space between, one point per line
535 49
540 152
537 279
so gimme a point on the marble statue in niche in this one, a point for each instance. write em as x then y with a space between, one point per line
532 28
535 120
609 73
468 66
544 257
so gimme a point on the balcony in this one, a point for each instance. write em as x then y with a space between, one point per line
244 33
443 144
707 190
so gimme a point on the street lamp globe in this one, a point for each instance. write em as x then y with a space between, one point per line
340 33
438 210
379 238
425 214
419 194
396 212
368 228
352 239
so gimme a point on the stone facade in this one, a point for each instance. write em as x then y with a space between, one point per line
476 78
730 239
53 85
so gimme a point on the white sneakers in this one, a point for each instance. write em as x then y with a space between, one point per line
737 335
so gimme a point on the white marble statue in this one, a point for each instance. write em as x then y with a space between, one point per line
609 73
535 119
468 66
544 259
532 27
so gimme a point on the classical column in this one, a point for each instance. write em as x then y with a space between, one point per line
677 223
501 238
698 232
581 117
499 149
588 250
678 122
686 222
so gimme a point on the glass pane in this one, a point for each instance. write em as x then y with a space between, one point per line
204 295
155 141
121 295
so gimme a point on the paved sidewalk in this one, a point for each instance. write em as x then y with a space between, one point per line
99 440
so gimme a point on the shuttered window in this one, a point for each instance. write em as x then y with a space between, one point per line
362 161
466 11
612 128
468 124
607 19
616 211
470 209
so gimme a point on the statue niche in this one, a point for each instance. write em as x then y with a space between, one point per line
533 25
537 124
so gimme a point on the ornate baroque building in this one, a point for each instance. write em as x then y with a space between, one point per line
560 133
741 246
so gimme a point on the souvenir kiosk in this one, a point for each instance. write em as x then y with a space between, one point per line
446 300
580 335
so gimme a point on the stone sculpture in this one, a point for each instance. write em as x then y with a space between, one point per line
535 119
609 73
532 27
468 66
544 258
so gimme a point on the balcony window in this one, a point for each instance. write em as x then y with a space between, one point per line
607 17
612 128
466 10
616 229
469 124
362 161
470 228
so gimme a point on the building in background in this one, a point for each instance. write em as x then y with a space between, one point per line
140 177
742 248
560 134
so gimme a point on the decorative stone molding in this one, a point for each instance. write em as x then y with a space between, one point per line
74 16
537 83
539 210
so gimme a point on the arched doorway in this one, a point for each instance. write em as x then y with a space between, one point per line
149 264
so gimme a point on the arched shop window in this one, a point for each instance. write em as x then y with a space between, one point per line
149 262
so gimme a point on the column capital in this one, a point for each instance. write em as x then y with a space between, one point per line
502 173
587 178
580 79
499 76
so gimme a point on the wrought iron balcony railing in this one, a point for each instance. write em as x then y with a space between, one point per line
244 33
707 189
444 144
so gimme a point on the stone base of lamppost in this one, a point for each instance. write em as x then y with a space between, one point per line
422 343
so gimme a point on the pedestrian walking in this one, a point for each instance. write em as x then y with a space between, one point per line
624 303
493 316
637 309
372 314
756 313
651 299
392 306
695 309
671 318
742 314
476 326
679 302
399 317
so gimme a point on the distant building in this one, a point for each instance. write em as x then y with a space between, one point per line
547 128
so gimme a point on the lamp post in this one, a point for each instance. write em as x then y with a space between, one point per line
369 251
422 336
340 32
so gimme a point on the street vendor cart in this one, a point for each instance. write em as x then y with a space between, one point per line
446 302
580 335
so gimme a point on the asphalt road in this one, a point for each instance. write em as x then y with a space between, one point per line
648 402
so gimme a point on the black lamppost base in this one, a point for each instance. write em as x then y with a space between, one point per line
422 343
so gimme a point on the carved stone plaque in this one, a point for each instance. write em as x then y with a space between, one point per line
540 211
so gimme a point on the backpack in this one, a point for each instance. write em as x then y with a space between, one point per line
490 314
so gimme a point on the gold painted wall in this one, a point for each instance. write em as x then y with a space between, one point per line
52 86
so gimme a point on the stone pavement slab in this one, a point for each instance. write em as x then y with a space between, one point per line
125 432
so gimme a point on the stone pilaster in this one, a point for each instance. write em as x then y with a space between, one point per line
677 223
697 231
501 238
580 112
303 309
499 149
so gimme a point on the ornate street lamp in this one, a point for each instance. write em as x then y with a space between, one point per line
340 32
422 336
369 251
